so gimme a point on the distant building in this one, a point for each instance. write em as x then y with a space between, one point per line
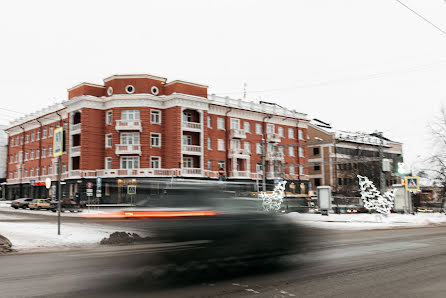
141 129
337 157
3 157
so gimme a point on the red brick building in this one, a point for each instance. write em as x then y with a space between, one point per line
141 129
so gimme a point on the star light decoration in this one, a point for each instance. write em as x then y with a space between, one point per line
272 202
372 198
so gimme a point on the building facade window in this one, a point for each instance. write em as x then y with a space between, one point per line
155 117
301 134
50 170
37 171
235 123
32 154
290 133
187 140
221 145
258 128
155 162
32 136
38 135
155 140
221 123
44 133
130 115
129 138
317 167
209 144
291 170
44 152
301 152
258 148
108 163
209 122
247 127
247 146
43 171
50 134
109 117
270 128
187 117
281 131
108 140
291 151
235 144
209 165
221 164
26 155
188 162
301 170
50 151
129 162
26 138
316 151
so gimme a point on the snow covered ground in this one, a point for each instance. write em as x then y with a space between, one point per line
5 203
8 208
364 221
31 235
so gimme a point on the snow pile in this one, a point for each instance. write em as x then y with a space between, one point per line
5 203
32 235
367 221
5 245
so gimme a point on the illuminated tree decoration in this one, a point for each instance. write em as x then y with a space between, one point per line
372 198
272 202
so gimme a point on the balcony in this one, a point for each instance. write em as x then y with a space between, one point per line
274 156
273 175
240 174
75 151
75 129
239 153
238 134
273 138
192 126
191 149
128 125
194 172
128 149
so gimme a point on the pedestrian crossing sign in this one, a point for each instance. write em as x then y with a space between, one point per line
131 189
412 183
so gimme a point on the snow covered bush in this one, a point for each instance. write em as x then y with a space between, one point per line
372 198
273 202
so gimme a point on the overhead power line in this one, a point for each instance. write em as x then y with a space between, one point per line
422 17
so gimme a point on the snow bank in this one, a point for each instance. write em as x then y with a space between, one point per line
367 221
5 203
8 208
32 235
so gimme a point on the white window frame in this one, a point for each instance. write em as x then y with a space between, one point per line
235 144
155 116
301 170
43 151
290 133
300 134
281 131
157 137
221 164
44 133
50 151
187 117
26 155
292 171
130 115
209 165
108 140
235 123
291 151
209 122
258 148
109 117
31 154
301 152
37 172
155 159
221 145
247 127
221 123
32 136
125 162
51 132
37 153
108 163
129 138
187 140
259 128
38 135
43 171
247 146
270 128
188 162
209 143
50 170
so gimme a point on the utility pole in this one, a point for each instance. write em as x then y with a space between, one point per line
382 178
263 166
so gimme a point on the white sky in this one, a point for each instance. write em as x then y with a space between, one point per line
360 64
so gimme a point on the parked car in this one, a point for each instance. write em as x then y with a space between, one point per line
67 205
39 204
21 203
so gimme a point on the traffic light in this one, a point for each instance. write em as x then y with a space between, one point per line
402 168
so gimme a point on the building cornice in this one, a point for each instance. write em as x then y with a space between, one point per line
186 83
85 84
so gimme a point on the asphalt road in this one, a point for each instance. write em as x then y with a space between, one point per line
383 263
